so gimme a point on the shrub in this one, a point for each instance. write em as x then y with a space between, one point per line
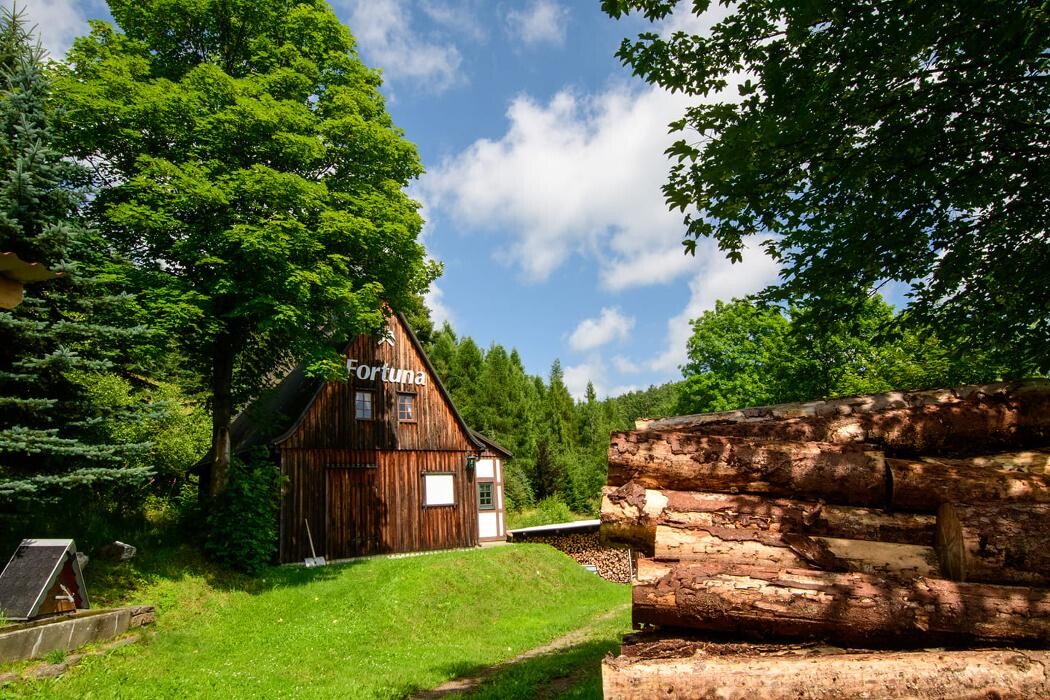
241 526
548 511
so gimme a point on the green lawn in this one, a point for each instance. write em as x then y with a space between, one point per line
377 628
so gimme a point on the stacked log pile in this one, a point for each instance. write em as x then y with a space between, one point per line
895 522
611 563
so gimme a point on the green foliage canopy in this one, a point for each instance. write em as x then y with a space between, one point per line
870 141
743 353
246 163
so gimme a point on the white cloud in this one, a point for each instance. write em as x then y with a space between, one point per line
591 333
592 370
542 22
459 17
648 268
57 22
384 31
683 20
716 280
439 310
580 174
624 365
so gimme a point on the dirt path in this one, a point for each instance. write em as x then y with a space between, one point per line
466 683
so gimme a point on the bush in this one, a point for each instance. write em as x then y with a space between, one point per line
241 526
548 511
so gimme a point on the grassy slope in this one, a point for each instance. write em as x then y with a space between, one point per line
380 628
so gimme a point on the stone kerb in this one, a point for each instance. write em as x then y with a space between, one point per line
35 639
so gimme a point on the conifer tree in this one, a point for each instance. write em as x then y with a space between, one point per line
56 440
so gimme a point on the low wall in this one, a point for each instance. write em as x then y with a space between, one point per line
34 639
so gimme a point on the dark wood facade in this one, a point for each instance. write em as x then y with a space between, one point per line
358 480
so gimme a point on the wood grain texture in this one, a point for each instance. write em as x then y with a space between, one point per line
793 551
631 513
995 543
843 474
359 483
966 420
923 487
329 423
734 672
849 608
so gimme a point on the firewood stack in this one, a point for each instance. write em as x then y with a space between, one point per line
895 522
611 563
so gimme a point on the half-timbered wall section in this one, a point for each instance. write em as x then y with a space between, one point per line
379 462
489 475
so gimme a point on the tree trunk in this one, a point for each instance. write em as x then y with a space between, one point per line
962 421
1031 461
709 671
631 513
222 414
689 462
995 543
923 487
850 608
793 551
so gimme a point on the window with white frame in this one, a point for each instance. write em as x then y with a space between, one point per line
438 489
486 495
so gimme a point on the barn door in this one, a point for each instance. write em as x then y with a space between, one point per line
352 513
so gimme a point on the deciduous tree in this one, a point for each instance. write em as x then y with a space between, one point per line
246 163
868 141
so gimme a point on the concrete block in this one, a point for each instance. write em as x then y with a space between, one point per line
37 638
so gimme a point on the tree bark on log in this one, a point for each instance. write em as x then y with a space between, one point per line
631 513
924 487
1030 461
846 474
850 608
995 543
961 421
730 672
793 551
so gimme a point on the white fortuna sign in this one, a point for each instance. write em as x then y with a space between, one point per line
384 373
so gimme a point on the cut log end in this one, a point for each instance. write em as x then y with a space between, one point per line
995 542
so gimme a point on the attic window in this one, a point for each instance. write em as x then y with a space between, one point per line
406 407
363 405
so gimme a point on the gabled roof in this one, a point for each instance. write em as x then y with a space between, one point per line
276 413
33 570
492 445
274 416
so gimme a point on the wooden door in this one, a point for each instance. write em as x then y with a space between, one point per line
352 513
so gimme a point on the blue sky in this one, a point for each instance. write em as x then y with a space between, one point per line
542 193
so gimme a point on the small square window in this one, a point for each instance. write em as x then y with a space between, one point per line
363 405
486 496
406 407
438 489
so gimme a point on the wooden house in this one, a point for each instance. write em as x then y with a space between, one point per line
381 462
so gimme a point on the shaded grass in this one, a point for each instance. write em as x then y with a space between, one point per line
573 672
376 628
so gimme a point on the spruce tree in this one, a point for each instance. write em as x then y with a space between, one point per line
55 439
